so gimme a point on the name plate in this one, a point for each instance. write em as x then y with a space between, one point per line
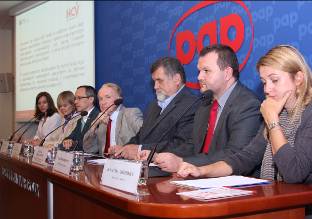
121 174
1 140
16 149
40 155
63 162
4 147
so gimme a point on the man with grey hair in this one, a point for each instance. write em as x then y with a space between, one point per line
116 126
162 115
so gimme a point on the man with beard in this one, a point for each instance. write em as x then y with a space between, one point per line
172 99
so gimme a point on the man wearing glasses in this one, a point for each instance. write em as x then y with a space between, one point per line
85 99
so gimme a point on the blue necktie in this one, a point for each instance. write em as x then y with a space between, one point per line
82 124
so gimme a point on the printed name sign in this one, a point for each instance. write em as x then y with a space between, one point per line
40 155
121 174
16 149
63 162
4 147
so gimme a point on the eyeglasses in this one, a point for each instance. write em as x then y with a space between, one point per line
79 97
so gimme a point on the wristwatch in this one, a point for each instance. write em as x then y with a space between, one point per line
272 125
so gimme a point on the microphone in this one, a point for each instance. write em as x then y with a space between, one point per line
117 102
207 95
82 113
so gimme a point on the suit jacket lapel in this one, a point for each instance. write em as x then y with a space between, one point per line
162 116
202 122
226 110
88 122
79 124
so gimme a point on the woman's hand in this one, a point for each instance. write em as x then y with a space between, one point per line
35 142
271 108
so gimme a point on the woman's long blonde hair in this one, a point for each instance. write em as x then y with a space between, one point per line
287 58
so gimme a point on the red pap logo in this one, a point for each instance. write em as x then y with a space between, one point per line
210 29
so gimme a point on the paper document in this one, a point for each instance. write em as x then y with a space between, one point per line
97 161
102 161
81 153
152 165
220 181
215 193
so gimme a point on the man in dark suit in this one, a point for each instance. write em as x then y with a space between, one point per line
162 114
85 99
236 109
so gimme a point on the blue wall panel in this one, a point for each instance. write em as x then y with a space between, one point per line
130 36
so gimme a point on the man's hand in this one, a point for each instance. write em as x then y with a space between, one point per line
143 155
129 151
168 162
187 169
112 149
103 119
68 143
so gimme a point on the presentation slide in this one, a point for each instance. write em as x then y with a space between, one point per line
54 45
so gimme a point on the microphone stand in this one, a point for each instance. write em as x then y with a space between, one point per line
20 137
207 94
27 123
83 113
116 102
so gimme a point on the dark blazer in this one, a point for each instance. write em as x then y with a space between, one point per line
294 163
155 124
77 134
237 125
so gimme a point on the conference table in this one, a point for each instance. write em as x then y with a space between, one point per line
29 190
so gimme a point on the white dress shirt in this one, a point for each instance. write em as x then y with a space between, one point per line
113 117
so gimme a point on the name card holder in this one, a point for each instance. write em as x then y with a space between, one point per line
4 147
121 174
40 155
1 141
16 149
63 162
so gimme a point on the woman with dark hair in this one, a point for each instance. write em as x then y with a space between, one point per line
47 114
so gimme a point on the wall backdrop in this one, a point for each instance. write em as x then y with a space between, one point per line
130 36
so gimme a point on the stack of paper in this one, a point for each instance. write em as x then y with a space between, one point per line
215 193
97 161
103 161
233 181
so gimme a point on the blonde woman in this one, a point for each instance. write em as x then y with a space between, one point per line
283 146
66 107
